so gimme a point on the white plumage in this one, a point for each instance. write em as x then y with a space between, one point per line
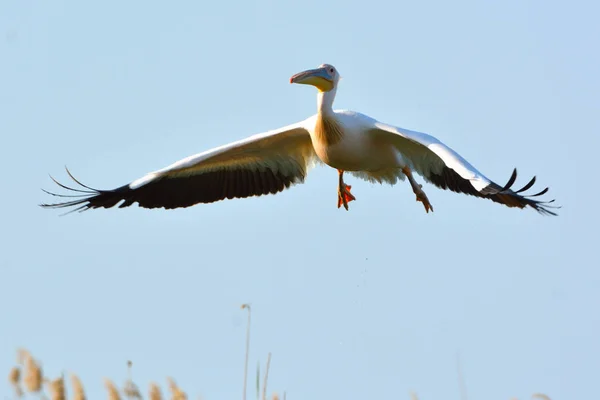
270 162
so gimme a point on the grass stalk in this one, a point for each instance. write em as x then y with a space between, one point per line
264 396
246 306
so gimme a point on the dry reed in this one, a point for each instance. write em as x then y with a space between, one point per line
113 391
31 376
246 306
176 392
14 378
266 377
22 355
155 393
130 389
34 375
78 392
57 389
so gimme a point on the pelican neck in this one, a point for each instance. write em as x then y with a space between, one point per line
325 102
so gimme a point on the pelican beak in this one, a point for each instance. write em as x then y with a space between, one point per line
318 77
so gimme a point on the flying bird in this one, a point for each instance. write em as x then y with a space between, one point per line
270 162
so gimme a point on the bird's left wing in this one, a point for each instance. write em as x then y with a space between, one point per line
261 164
446 169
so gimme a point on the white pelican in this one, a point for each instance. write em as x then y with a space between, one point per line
273 161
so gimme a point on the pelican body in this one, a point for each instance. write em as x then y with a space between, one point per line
270 162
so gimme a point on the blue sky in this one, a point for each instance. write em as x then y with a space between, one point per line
371 303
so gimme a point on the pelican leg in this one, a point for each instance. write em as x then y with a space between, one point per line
417 189
344 195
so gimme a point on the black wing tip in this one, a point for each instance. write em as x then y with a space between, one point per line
82 200
511 181
169 193
521 200
545 209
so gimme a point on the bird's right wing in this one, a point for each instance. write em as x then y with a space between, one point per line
261 164
446 169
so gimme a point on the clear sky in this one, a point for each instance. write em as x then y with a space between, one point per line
370 303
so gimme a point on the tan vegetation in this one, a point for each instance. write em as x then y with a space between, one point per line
113 391
57 389
78 392
28 373
154 392
14 378
33 378
54 389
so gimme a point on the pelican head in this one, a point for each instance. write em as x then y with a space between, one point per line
324 78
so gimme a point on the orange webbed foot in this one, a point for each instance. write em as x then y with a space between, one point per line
344 196
422 197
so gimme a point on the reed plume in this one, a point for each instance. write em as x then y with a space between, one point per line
78 392
57 389
33 378
14 378
155 393
176 392
113 392
29 374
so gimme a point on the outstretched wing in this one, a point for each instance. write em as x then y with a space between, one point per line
262 164
443 167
